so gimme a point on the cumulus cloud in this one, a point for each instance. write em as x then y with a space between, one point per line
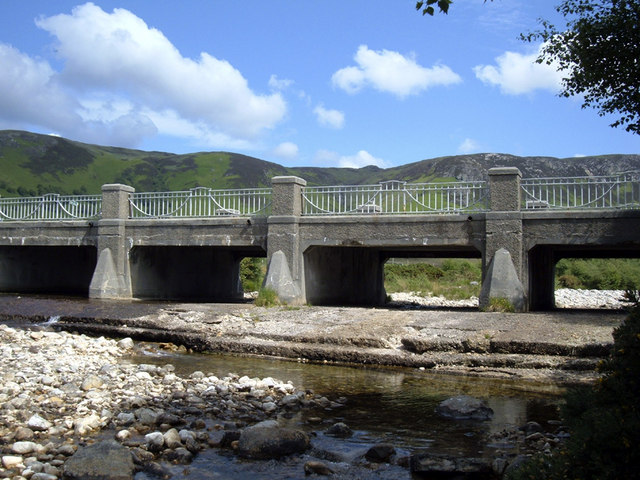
123 80
391 72
517 74
359 160
286 150
329 118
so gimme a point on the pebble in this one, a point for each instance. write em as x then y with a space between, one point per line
564 298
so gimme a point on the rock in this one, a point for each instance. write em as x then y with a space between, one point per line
444 466
172 439
126 344
464 407
268 441
91 382
106 460
319 468
339 430
44 476
180 456
11 461
380 453
154 441
23 433
25 447
146 416
38 424
84 426
123 435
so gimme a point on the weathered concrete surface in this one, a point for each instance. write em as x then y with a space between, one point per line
552 346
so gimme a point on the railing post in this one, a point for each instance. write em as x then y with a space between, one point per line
503 253
112 278
285 273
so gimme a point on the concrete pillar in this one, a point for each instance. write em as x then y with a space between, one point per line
286 209
503 229
112 277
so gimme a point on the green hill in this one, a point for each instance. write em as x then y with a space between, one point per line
34 164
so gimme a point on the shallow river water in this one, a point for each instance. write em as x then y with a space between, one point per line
383 405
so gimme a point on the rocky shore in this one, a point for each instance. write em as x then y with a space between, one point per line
73 406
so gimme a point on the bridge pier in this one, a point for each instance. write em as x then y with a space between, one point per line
112 276
503 230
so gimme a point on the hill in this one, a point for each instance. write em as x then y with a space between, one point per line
34 164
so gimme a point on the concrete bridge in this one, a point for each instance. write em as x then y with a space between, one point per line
325 245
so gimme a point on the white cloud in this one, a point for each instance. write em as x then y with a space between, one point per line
392 72
361 159
279 83
469 146
517 74
329 118
121 77
286 150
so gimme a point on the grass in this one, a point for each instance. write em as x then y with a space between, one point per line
452 278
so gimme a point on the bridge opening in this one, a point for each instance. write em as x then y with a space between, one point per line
556 270
358 275
55 270
200 274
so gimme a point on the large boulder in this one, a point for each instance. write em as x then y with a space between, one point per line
267 440
106 460
464 407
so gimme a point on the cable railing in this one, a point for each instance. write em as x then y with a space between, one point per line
396 197
50 207
200 202
620 191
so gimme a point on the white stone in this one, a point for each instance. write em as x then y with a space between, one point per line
38 424
11 461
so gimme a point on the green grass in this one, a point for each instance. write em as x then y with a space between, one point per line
455 279
598 273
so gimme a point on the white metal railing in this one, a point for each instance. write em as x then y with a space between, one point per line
395 197
612 191
201 202
50 207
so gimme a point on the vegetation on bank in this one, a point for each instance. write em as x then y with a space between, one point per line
603 419
598 273
452 278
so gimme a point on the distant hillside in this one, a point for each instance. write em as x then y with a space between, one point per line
33 164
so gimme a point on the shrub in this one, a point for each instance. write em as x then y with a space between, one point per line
604 419
267 297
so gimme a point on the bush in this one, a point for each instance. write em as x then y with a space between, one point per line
604 419
499 304
252 272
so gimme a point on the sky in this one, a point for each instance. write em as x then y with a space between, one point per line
326 83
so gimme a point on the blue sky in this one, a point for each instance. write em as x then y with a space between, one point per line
301 83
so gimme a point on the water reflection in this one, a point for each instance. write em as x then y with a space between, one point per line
389 404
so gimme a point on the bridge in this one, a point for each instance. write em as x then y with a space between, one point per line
325 245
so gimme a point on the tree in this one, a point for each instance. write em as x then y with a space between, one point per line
427 6
599 51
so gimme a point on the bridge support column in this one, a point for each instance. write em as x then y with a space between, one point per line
112 278
503 277
285 273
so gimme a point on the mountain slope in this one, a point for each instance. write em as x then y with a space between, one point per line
34 164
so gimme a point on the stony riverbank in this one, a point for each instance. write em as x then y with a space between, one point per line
73 405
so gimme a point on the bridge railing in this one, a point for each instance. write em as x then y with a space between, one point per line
396 197
51 207
612 191
200 202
